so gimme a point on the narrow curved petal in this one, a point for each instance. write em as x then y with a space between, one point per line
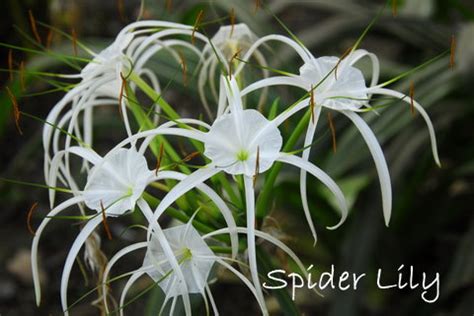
111 263
289 112
361 53
34 246
135 276
305 156
324 178
273 81
213 303
193 134
300 50
379 159
191 181
249 284
71 257
251 248
420 109
217 200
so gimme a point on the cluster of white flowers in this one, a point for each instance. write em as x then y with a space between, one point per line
239 143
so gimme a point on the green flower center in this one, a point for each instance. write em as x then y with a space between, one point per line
187 254
242 155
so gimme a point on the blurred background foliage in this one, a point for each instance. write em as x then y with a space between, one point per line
432 227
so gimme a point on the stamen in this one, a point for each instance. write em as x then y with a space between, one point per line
196 25
49 39
10 64
232 22
34 29
122 92
28 218
74 41
394 8
311 103
22 76
191 156
235 56
16 111
169 5
183 67
257 166
258 5
453 52
104 221
120 9
333 132
158 161
412 93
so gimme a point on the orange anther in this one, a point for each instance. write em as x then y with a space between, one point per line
158 161
34 29
28 218
104 222
333 132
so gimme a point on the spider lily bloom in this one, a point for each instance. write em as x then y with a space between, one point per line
242 142
195 258
223 49
114 187
103 81
337 84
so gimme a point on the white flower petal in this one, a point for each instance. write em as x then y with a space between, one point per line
217 200
135 276
112 262
197 177
71 257
249 284
324 178
168 254
379 159
239 156
305 156
420 109
117 182
34 246
251 248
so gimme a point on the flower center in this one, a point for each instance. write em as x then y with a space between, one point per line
242 155
187 254
236 145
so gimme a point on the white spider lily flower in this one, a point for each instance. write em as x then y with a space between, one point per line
102 82
337 84
195 260
189 249
252 142
117 182
111 61
229 42
234 142
115 185
230 39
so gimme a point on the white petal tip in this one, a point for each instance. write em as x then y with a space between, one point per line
343 219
